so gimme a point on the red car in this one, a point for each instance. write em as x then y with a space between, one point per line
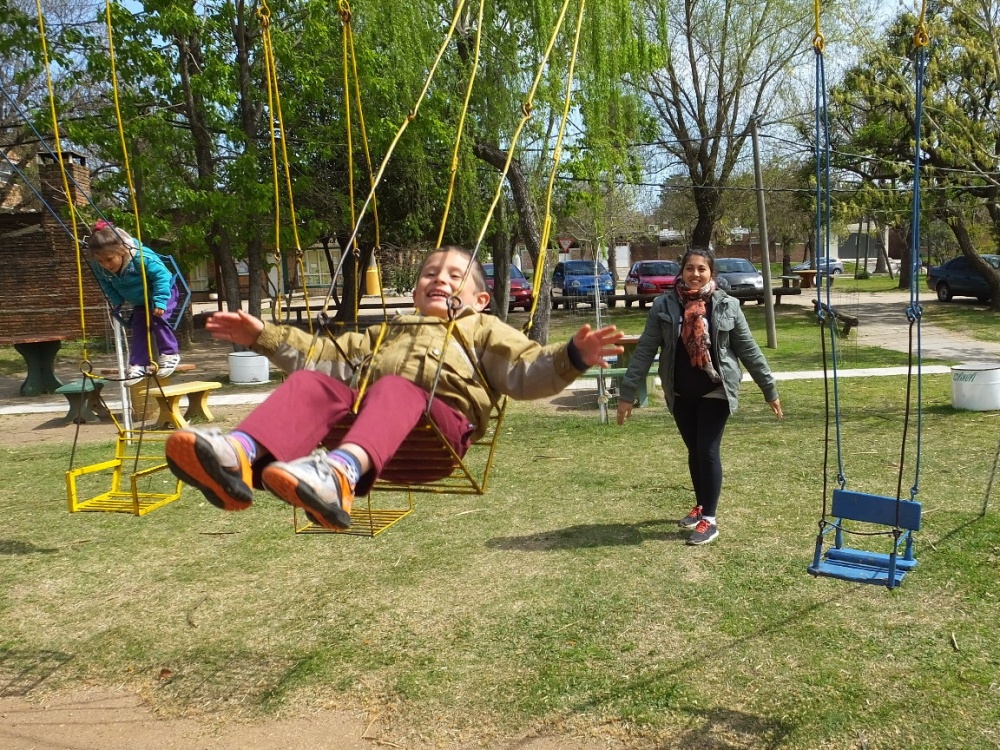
651 277
520 287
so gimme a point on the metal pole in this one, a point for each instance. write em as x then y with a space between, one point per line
765 254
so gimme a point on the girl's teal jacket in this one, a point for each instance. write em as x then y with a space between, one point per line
127 286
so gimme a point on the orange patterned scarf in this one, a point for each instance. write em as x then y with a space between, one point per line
694 329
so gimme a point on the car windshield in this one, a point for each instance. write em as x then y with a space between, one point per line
734 265
515 272
583 268
665 268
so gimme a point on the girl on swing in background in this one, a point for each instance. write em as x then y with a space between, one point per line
126 272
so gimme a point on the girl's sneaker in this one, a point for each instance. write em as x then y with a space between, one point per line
134 375
166 364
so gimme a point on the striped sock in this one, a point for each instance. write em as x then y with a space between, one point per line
348 464
247 443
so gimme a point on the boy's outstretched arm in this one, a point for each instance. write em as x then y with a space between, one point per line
594 346
239 327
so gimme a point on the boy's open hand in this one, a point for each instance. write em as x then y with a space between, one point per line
594 346
239 327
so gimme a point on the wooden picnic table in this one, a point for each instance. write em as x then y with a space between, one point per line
808 278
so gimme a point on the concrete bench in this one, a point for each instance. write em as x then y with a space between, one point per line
615 374
168 398
39 354
84 396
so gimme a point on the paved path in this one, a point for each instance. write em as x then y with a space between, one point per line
883 323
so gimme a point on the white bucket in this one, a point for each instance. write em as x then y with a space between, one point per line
248 368
975 386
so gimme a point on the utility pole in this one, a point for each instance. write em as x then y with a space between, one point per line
765 253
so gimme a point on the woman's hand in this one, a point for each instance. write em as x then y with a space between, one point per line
239 327
776 408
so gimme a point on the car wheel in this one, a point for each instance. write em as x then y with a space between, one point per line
944 292
836 271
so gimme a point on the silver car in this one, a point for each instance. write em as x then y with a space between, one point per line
740 278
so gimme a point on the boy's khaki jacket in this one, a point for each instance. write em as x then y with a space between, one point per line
484 359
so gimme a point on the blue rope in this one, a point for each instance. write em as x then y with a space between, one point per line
914 312
824 310
55 157
38 195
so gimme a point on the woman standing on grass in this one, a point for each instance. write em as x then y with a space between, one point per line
702 337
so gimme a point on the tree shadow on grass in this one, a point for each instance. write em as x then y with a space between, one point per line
21 671
593 535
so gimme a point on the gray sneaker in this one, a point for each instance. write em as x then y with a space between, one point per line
704 532
314 484
691 519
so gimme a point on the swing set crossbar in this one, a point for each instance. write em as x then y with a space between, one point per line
861 566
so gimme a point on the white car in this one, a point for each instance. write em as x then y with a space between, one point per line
827 265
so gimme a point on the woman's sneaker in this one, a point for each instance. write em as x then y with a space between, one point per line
213 463
166 364
691 519
704 532
316 485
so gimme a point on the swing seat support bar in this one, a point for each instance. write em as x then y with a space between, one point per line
863 566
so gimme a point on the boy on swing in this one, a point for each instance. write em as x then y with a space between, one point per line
276 445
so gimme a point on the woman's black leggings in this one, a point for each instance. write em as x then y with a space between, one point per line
701 422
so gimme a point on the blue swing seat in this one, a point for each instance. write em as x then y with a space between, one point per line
860 565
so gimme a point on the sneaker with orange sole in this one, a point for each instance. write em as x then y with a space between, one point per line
214 464
314 484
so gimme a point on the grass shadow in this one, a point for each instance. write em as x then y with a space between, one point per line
584 536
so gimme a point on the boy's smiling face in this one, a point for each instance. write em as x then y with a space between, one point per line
441 278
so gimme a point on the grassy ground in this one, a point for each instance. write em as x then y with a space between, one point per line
565 598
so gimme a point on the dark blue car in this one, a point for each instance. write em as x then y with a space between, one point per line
958 278
574 281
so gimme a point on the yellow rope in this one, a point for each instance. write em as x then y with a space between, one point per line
65 179
461 124
819 42
526 108
346 35
275 111
536 282
346 8
131 186
920 37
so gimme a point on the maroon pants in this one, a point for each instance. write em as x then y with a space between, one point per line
311 408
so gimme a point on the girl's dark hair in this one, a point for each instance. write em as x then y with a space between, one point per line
108 239
705 252
477 276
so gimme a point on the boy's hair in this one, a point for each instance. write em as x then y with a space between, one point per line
705 252
477 276
107 239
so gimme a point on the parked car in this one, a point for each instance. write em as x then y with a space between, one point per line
740 278
833 266
958 277
650 277
573 282
520 287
